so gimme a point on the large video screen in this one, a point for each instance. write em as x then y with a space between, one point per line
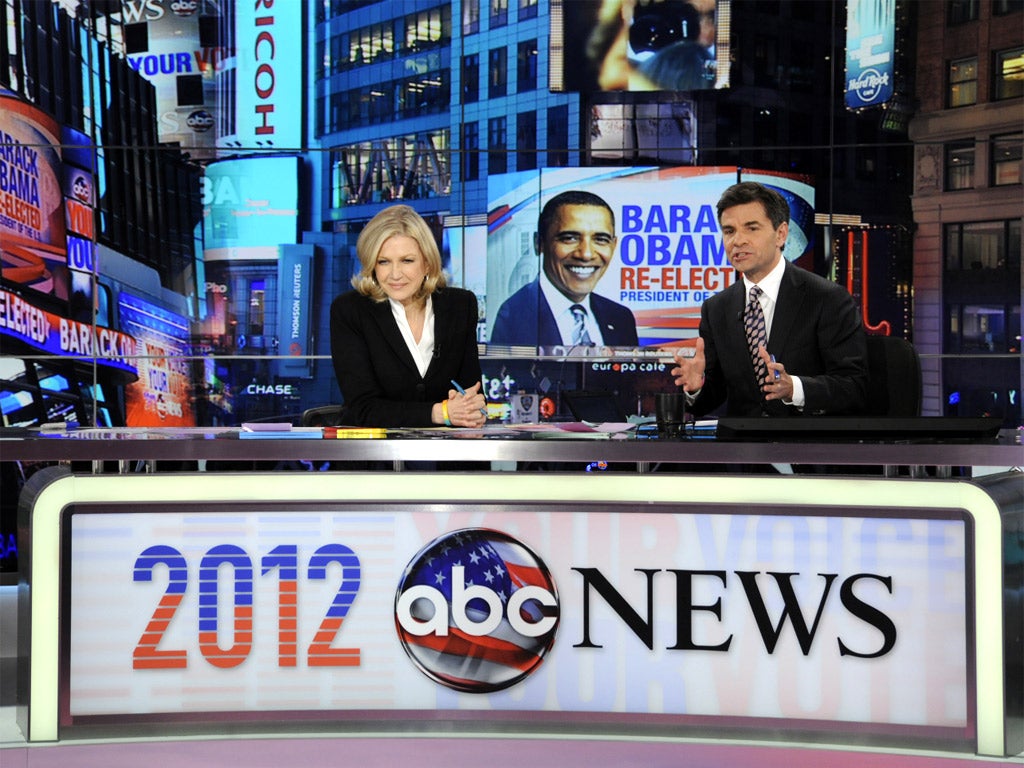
661 256
250 206
630 45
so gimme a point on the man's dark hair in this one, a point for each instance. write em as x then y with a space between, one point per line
775 205
570 197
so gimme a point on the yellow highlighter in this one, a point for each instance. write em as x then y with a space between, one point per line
354 433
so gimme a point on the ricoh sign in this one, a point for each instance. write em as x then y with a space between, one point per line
269 91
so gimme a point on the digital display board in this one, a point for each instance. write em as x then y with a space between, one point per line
162 396
870 52
250 207
32 214
608 45
660 609
667 257
859 607
53 334
269 91
167 51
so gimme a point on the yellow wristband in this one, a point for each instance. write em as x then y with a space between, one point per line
444 413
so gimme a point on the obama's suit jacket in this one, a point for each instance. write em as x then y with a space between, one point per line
817 334
525 318
379 381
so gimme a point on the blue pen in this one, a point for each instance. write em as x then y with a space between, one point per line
461 391
777 375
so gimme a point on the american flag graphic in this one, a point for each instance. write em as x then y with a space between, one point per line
479 663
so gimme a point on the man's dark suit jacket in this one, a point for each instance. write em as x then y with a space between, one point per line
816 333
526 319
378 377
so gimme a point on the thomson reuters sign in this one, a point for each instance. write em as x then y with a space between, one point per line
476 610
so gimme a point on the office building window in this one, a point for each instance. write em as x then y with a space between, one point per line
470 17
1008 74
370 44
558 136
979 328
1005 154
960 165
961 11
428 29
470 78
526 141
499 13
497 73
983 329
497 154
1003 7
983 245
407 167
963 82
470 152
257 306
527 9
526 68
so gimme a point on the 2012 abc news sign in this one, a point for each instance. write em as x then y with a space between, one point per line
682 611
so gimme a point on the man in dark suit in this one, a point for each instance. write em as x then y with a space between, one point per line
812 356
576 235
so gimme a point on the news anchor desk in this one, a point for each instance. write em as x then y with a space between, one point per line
829 607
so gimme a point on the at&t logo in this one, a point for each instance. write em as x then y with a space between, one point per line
476 610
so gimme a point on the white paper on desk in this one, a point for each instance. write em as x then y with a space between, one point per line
607 427
267 426
613 427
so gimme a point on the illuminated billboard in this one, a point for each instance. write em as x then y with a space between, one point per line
664 258
51 334
268 96
673 45
250 207
164 45
162 396
32 211
870 50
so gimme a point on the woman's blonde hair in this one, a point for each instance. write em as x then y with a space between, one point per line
396 220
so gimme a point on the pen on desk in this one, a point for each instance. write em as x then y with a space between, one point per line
777 375
58 426
461 391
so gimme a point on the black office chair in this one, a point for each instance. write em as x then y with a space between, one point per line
894 386
322 416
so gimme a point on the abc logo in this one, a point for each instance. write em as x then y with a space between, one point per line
200 121
184 7
476 610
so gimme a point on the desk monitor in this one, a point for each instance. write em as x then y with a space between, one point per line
910 429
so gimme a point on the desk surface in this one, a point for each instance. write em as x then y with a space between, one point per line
491 444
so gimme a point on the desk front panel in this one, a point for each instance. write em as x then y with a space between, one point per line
842 606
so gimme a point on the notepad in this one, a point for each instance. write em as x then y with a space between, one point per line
267 426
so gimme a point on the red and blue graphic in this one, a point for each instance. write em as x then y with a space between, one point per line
476 610
237 629
146 654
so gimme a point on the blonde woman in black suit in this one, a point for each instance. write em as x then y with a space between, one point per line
401 338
